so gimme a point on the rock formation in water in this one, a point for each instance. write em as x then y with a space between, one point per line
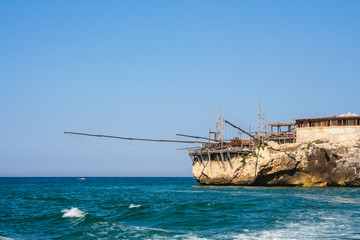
317 163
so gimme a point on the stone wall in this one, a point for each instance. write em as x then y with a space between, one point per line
333 134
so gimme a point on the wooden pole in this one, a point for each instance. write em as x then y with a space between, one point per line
135 139
228 154
263 124
209 134
256 163
258 134
190 136
222 131
222 160
201 159
249 134
209 161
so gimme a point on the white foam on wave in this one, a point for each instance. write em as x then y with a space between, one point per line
73 212
330 199
149 229
134 206
189 236
122 231
5 238
336 227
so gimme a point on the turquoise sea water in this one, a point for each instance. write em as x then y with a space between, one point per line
172 208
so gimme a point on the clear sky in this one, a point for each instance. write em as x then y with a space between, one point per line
157 68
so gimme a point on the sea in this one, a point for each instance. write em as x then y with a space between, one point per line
172 208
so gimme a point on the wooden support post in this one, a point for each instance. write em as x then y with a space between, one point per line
228 154
201 159
259 127
278 127
192 159
209 161
263 125
217 159
222 160
209 134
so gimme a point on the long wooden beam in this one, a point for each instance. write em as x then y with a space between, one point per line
135 139
240 129
189 136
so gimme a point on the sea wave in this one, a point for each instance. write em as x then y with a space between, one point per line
300 230
5 238
134 206
189 236
73 212
337 199
173 211
122 231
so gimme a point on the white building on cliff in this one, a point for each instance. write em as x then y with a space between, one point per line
336 129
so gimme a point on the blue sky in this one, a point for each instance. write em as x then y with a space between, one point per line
157 68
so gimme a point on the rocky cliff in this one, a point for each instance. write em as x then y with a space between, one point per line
317 163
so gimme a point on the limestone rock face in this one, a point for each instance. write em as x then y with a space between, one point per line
317 163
